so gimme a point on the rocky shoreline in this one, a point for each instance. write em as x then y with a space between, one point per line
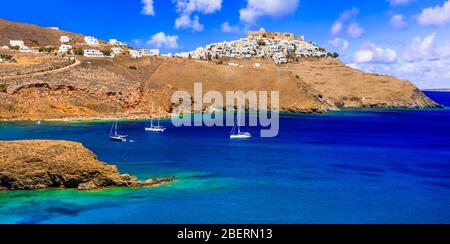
39 164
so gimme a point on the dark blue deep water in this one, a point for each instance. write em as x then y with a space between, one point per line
347 167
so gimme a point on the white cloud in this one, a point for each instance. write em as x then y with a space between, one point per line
202 6
226 27
148 8
354 30
186 22
370 53
398 21
426 49
336 28
161 40
399 2
341 45
421 49
437 16
187 7
271 8
423 62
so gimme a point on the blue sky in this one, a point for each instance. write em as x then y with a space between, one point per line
405 38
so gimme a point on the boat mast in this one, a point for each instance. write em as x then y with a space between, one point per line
239 121
151 121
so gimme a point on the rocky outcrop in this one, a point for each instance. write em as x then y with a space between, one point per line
30 165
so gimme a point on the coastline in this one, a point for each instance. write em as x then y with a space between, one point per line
143 118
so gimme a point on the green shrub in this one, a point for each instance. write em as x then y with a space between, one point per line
3 87
334 55
132 67
46 49
78 51
6 56
107 52
14 47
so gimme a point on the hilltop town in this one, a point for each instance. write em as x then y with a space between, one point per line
281 47
49 74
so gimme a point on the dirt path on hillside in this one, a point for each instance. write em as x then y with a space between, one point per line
41 73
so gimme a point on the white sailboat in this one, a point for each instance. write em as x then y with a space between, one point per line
236 131
153 128
114 135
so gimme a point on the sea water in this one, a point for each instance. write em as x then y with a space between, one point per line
387 166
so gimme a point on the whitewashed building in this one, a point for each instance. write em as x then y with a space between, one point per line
16 43
117 50
65 48
91 41
20 44
115 42
93 53
65 39
148 52
134 53
279 58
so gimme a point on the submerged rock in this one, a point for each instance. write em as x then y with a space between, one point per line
29 165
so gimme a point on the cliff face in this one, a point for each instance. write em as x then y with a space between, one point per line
29 165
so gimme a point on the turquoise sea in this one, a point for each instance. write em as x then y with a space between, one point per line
390 166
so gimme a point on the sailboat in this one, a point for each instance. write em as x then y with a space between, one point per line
114 135
153 128
236 131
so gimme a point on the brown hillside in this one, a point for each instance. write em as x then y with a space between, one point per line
33 35
351 88
99 88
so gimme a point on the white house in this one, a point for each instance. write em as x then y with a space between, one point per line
91 41
65 39
16 43
20 44
116 50
93 53
148 52
279 58
65 48
134 53
115 42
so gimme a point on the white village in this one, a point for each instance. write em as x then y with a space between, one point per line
281 47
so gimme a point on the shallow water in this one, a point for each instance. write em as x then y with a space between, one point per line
347 167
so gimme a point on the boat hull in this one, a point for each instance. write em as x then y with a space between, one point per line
117 139
241 136
159 130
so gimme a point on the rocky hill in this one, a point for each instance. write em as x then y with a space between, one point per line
30 165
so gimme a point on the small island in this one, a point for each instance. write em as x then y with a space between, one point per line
40 164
